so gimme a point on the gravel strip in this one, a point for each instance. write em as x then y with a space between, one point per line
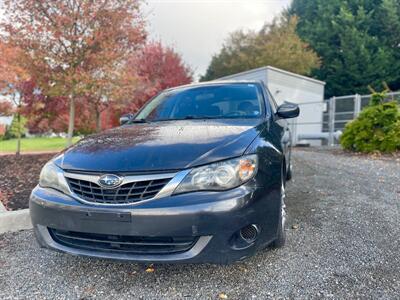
343 243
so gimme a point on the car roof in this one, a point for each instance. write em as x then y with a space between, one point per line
216 82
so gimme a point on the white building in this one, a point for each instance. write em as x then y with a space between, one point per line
307 92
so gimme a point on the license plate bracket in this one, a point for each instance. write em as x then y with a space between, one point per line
107 216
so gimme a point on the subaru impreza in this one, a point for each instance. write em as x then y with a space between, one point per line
197 175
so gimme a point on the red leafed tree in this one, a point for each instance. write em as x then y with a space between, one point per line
69 46
6 109
155 68
162 66
50 113
149 71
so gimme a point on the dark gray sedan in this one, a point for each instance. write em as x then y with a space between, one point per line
197 175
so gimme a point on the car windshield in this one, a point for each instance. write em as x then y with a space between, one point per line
205 102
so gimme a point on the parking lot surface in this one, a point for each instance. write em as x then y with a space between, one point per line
343 242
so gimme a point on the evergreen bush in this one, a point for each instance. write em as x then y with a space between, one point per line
377 128
15 128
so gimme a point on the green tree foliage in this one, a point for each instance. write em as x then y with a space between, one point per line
358 41
277 45
17 127
376 129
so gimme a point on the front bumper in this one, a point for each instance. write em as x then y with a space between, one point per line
214 218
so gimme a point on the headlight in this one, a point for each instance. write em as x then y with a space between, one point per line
52 176
220 176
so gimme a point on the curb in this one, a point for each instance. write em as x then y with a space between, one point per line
2 207
11 221
31 152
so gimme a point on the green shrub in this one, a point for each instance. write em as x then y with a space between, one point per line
377 98
376 129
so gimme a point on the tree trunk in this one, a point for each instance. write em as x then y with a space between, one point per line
18 134
98 120
71 120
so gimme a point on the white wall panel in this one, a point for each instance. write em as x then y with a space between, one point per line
287 86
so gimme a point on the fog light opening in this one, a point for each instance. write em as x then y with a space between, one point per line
249 233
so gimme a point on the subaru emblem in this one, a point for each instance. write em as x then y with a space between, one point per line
110 181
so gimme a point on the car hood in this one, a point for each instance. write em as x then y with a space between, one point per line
160 146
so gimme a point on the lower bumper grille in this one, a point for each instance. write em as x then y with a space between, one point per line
122 243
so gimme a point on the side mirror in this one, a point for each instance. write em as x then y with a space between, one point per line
126 118
288 110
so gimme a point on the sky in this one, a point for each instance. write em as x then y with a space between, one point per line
197 28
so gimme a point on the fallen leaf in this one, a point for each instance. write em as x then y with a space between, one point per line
222 296
243 269
150 269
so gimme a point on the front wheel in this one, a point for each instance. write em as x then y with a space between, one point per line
289 172
281 237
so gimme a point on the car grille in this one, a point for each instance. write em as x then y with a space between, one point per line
124 194
122 243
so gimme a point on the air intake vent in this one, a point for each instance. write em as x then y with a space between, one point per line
122 243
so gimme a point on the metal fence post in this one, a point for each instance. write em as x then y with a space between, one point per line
332 110
357 105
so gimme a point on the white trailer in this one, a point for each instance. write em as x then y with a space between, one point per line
307 92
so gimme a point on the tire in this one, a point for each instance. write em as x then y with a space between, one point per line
289 173
281 236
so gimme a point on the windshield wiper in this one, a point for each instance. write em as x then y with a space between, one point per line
138 121
190 117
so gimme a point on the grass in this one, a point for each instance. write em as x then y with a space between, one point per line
35 144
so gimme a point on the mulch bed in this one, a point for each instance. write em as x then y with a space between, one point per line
18 176
336 150
373 155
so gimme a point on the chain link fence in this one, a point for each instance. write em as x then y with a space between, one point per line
337 112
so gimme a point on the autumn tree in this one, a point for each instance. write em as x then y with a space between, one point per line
66 42
276 44
6 109
237 54
51 113
12 77
153 69
11 73
150 70
279 45
109 89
